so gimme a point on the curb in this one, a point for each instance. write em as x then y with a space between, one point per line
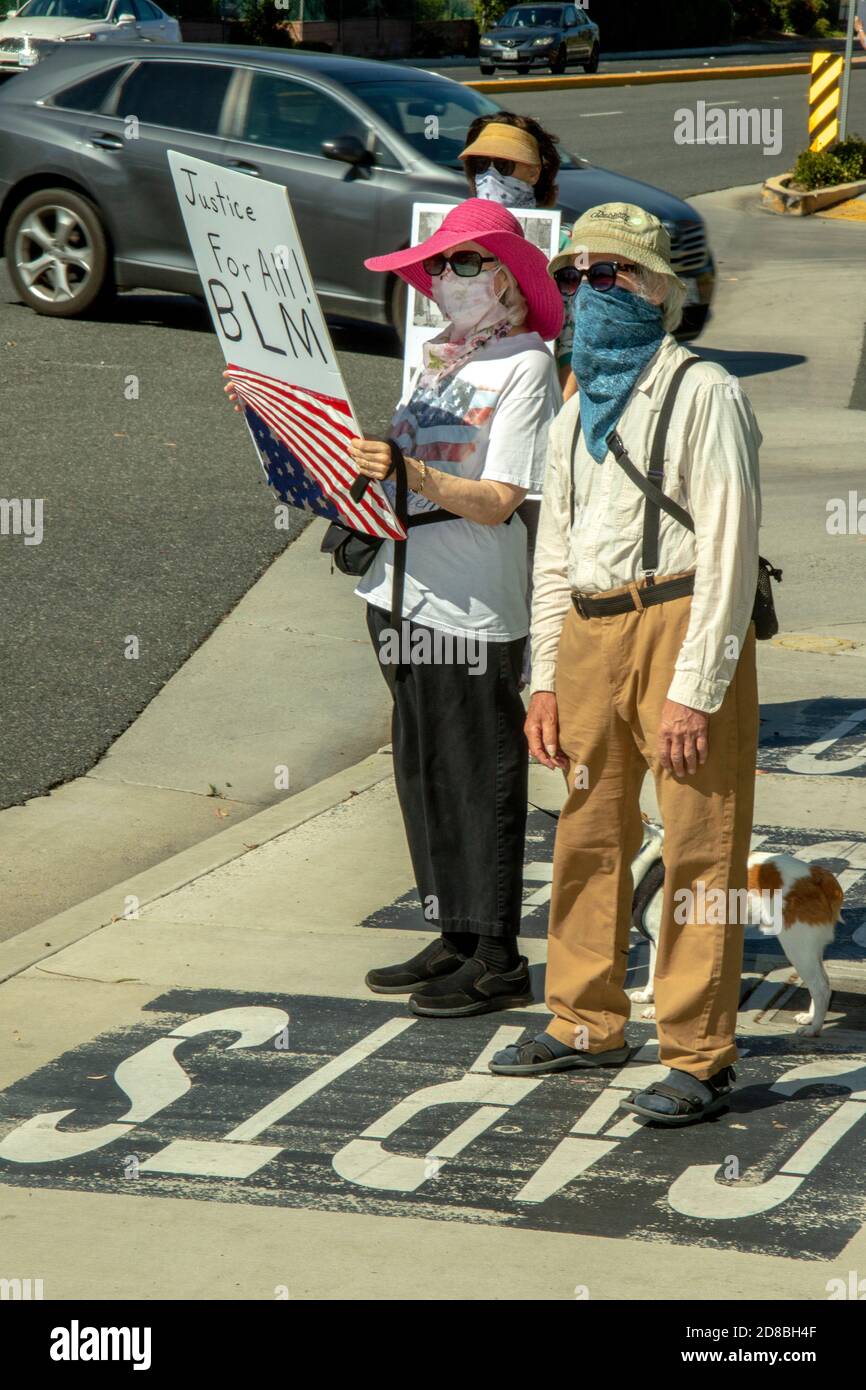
47 938
640 79
778 198
462 60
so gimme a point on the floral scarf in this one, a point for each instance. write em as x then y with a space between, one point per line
441 357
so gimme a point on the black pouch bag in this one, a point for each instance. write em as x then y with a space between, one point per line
353 552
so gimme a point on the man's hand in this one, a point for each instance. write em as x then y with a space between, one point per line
683 742
542 730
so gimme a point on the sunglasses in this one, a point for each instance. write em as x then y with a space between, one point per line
463 263
602 276
479 164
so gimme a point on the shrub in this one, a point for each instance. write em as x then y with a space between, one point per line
803 15
844 163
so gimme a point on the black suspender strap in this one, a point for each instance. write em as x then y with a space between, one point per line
651 483
401 510
574 439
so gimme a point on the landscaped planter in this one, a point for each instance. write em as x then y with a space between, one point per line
777 196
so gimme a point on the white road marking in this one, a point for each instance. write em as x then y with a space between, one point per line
209 1158
588 115
296 1095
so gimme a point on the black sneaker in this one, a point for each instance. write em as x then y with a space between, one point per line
474 989
434 961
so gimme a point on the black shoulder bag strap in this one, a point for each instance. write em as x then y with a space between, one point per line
650 485
574 438
401 511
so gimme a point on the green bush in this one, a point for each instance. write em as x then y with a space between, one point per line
753 17
844 163
488 11
801 16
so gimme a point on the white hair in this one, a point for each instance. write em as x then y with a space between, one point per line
651 284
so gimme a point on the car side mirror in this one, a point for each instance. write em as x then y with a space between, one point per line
126 19
347 148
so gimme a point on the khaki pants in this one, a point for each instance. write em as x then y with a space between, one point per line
612 679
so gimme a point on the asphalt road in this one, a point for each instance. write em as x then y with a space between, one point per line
469 72
631 129
157 518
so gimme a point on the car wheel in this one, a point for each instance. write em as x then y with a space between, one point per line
591 64
57 253
558 62
523 68
485 69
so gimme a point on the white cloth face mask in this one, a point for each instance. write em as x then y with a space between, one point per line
504 189
469 302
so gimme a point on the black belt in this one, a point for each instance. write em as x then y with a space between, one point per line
590 607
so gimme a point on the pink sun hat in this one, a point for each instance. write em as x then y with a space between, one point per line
496 229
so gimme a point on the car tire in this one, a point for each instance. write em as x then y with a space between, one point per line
559 62
87 283
485 69
523 69
591 64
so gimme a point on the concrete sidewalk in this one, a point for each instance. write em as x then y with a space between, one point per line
202 1100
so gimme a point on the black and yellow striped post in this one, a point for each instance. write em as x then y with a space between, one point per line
824 97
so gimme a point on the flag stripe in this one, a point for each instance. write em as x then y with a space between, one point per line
316 428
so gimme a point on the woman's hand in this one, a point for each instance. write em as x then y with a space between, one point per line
542 730
232 392
372 457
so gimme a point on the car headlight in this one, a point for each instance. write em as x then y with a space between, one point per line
486 43
542 43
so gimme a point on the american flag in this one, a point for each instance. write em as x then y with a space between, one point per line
314 430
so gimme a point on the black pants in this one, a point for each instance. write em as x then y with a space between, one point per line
461 769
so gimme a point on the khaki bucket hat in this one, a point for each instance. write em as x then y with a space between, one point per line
623 230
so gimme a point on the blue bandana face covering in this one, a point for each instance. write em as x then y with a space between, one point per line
616 333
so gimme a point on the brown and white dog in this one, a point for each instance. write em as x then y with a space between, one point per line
798 902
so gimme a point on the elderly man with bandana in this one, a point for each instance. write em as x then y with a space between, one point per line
644 659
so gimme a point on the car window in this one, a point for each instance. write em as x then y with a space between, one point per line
184 96
65 9
124 7
91 93
571 17
433 117
148 12
531 17
291 115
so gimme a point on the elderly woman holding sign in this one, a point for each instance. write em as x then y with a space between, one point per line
472 431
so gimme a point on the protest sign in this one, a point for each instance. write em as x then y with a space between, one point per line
276 344
423 318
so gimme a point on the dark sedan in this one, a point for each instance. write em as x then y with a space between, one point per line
550 35
87 204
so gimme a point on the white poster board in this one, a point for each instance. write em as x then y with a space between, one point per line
276 344
423 319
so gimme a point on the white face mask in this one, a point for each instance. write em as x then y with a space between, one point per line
469 303
504 189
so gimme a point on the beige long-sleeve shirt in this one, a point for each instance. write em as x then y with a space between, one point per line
710 469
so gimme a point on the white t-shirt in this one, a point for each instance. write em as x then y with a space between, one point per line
489 420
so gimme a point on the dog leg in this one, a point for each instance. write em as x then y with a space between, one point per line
804 946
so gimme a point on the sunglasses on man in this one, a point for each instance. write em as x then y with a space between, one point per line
602 276
479 164
463 263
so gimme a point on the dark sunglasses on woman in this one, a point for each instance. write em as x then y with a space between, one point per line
463 263
602 276
479 164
